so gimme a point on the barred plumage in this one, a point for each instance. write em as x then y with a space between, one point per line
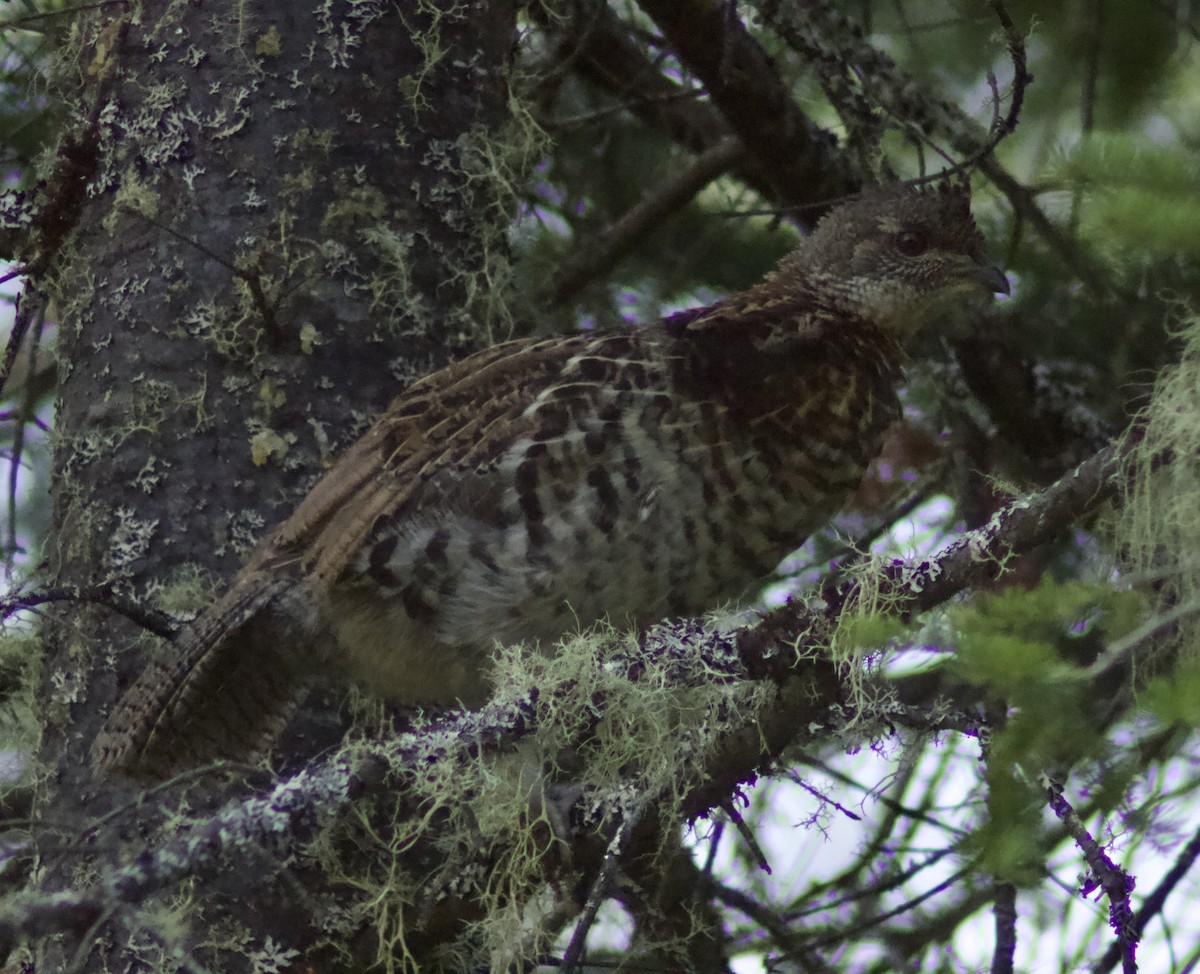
545 484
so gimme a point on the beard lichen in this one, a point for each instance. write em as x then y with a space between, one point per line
615 727
1156 531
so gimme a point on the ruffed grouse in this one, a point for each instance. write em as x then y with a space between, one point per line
543 484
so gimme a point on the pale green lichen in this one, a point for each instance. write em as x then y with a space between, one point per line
20 728
639 744
1156 530
184 590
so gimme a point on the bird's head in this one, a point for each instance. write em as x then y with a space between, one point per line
894 257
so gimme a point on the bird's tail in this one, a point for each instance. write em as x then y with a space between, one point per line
234 683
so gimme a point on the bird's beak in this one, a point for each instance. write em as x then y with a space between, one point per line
991 277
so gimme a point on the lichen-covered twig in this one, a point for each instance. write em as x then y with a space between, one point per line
1116 883
148 618
979 556
1152 905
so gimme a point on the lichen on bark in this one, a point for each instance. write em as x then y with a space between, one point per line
295 209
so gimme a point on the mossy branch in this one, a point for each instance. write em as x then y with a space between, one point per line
786 647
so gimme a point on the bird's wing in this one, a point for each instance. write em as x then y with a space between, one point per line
439 439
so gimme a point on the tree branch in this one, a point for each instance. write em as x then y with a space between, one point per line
785 646
597 256
801 160
817 30
1116 883
1153 904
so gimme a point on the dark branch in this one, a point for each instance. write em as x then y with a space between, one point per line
152 620
1116 883
594 258
980 556
1004 908
1153 903
801 160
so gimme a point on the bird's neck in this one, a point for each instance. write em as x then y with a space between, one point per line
766 350
787 293
789 318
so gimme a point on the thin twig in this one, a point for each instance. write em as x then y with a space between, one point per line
1116 883
873 890
1022 79
781 931
591 118
30 305
573 955
849 934
823 798
251 278
1004 909
1153 904
748 836
152 620
599 256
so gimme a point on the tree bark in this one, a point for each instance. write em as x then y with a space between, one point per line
293 211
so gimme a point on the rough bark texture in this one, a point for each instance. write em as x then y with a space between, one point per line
295 210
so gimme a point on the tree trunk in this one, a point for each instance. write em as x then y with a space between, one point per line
294 210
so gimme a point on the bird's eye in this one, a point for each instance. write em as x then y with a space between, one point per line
911 243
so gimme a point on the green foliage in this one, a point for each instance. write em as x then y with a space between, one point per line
1031 652
1018 639
1008 844
1175 699
1159 533
869 631
19 721
1051 726
1144 197
1031 648
1109 159
28 121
